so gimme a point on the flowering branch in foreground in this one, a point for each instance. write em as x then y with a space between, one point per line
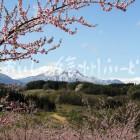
19 22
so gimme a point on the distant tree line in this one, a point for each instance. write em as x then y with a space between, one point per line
85 87
46 94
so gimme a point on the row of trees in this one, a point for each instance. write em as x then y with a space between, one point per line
40 84
85 87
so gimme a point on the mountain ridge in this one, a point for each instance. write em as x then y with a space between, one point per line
5 79
68 76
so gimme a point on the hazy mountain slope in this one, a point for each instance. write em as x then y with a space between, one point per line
7 80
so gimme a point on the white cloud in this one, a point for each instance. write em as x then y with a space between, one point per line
17 73
50 70
135 80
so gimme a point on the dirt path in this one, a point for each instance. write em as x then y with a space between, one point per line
59 118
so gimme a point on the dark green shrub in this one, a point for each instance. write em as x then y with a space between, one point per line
108 90
94 100
135 95
3 92
115 102
15 96
70 98
56 85
134 92
90 88
45 104
72 86
35 85
41 101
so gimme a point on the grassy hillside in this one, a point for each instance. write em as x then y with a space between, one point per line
82 109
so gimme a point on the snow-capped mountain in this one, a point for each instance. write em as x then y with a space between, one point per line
7 80
68 76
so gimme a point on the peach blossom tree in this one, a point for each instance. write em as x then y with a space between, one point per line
18 22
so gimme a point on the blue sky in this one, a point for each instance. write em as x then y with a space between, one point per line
112 49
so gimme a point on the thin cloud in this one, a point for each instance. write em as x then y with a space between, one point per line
138 23
135 80
22 73
89 47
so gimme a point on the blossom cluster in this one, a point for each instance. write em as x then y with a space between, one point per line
19 22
